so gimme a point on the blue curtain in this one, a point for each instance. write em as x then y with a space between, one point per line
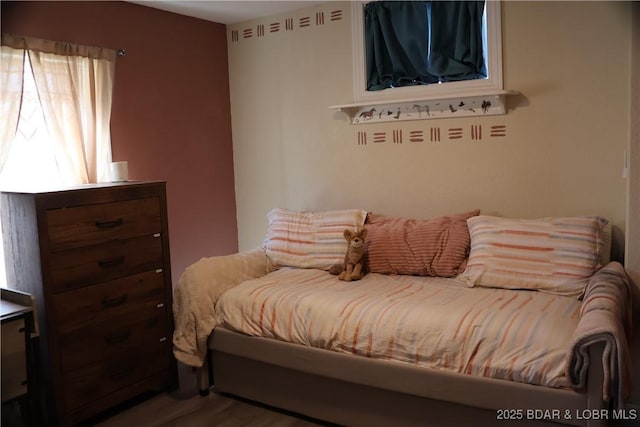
423 42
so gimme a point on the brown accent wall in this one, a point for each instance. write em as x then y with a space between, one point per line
171 117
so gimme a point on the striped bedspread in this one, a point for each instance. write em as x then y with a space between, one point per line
438 323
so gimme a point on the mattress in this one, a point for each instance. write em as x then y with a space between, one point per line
521 336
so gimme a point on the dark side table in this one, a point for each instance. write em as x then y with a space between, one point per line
18 368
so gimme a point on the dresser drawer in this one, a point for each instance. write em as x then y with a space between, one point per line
96 224
109 300
113 339
80 267
98 381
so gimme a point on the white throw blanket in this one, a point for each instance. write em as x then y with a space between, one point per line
195 297
605 317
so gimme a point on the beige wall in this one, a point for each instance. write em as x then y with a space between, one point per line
632 253
562 153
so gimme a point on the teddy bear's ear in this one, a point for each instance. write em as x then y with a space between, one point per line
363 233
348 234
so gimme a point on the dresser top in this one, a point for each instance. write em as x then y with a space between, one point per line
45 189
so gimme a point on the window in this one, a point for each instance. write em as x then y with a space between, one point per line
30 161
56 107
493 58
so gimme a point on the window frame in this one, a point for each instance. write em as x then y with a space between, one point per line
465 88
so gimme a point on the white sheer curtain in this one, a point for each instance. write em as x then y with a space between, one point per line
11 77
74 85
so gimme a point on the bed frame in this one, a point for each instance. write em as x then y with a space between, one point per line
354 390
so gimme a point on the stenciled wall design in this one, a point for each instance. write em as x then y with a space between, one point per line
435 134
286 24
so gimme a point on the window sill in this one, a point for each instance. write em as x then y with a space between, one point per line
487 103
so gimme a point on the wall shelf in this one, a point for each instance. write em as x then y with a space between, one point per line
475 104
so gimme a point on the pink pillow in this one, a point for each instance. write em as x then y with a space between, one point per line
423 247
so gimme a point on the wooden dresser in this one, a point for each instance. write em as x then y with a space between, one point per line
96 259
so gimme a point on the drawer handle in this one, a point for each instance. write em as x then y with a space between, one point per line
117 337
109 224
112 302
112 262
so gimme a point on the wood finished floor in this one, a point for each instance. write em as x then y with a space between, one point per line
186 408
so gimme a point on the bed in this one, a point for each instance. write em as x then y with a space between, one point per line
460 331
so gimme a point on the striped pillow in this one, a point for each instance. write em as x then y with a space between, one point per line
554 255
421 247
310 239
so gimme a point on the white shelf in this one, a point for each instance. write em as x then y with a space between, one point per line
474 104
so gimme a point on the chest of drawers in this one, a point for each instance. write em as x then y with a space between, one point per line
96 259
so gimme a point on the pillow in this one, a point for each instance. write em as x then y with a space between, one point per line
554 255
424 247
310 239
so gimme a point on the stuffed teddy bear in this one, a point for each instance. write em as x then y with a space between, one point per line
353 268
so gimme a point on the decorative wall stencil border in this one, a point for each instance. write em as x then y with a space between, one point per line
304 22
379 137
416 136
362 138
397 136
336 15
316 19
288 24
474 132
434 133
455 133
498 130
